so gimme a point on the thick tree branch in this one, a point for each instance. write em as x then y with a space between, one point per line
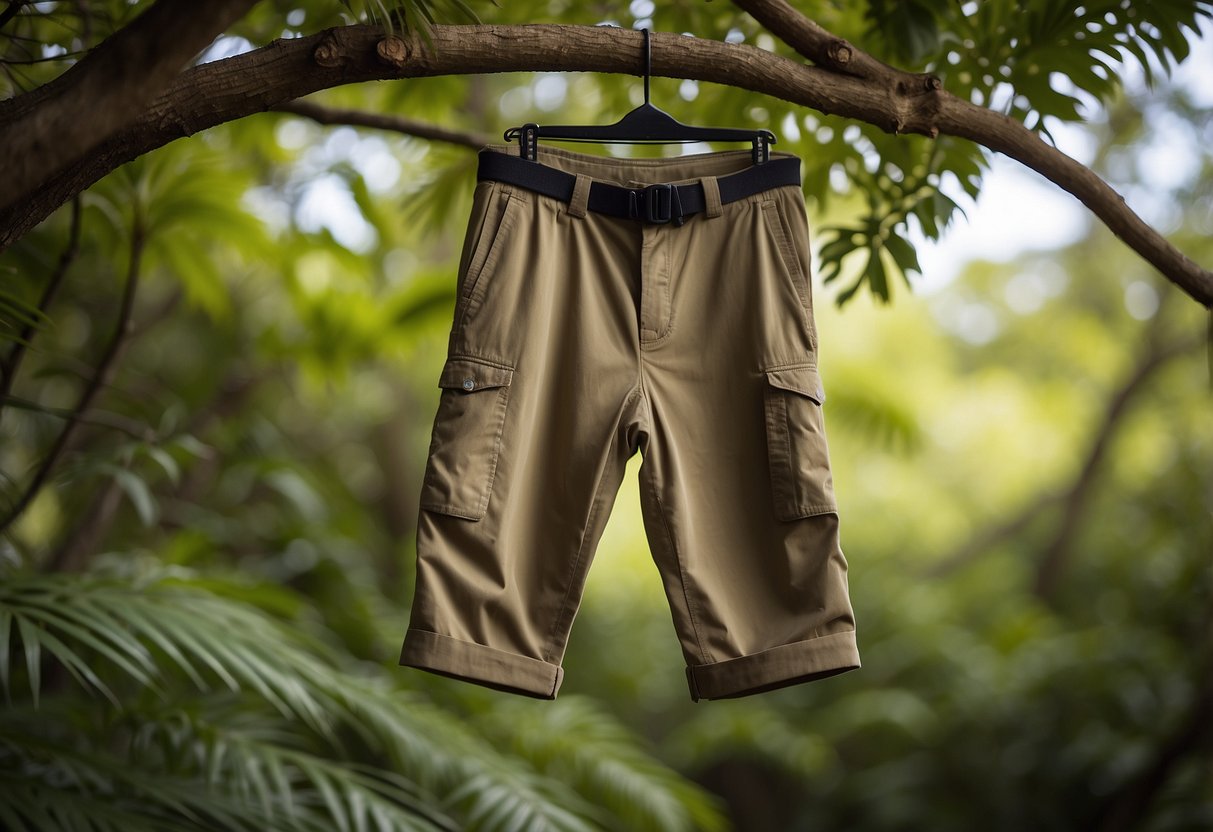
1005 135
288 69
827 50
90 390
397 124
956 117
54 125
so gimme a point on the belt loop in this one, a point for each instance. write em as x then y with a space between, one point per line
581 196
711 196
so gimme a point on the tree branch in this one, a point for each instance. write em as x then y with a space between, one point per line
96 418
12 362
54 125
827 50
397 124
10 11
284 70
1072 501
1128 807
918 97
95 384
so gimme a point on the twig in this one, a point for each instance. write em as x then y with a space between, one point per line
96 418
73 550
10 11
1127 808
94 384
398 124
1071 501
1074 502
991 536
12 362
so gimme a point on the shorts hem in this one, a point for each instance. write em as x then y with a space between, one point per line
481 665
788 664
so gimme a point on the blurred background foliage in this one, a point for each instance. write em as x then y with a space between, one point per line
212 446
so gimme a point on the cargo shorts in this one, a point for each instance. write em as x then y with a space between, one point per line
656 305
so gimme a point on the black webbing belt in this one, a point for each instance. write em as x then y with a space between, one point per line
658 203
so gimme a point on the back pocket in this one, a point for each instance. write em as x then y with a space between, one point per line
801 484
466 441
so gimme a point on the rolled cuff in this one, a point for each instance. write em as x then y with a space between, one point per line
788 664
480 665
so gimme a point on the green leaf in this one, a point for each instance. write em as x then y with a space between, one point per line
903 254
877 279
166 462
22 310
6 627
32 646
138 492
127 654
191 444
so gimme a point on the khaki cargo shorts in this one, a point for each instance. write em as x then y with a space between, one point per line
615 315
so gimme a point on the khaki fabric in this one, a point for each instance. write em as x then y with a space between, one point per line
580 338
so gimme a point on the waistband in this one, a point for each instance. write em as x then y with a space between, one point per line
662 190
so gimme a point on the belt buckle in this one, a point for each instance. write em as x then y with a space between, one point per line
653 203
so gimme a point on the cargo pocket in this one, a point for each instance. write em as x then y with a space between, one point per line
801 484
466 441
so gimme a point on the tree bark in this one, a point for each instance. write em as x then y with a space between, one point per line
54 125
914 97
894 101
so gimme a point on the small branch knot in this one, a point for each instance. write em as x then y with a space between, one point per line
840 52
393 50
931 83
328 53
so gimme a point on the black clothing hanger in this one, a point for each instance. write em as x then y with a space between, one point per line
644 125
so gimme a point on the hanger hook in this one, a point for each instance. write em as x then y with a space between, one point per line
648 64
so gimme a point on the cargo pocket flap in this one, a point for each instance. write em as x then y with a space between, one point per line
470 374
802 380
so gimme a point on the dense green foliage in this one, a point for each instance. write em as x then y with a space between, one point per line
201 608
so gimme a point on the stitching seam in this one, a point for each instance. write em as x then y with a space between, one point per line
682 575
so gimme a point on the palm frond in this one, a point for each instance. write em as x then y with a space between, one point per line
574 740
306 738
247 772
123 623
484 788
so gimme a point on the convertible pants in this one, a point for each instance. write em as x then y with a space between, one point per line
617 314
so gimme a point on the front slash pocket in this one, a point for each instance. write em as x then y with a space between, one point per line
466 441
781 234
498 217
801 484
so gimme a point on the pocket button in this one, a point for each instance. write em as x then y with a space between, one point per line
469 384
